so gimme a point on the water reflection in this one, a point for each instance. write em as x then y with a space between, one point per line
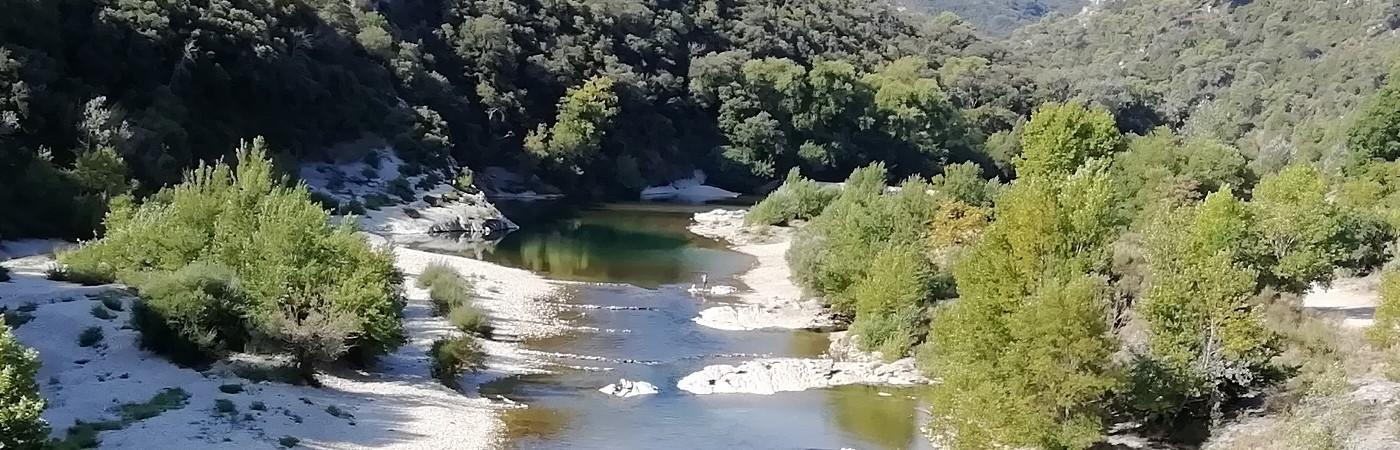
890 421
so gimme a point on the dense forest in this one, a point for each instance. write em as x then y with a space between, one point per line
1072 219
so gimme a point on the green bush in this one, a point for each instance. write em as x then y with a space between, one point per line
376 201
218 256
232 388
470 320
112 301
192 314
101 312
90 336
288 441
449 293
453 356
798 198
225 406
20 402
4 274
434 272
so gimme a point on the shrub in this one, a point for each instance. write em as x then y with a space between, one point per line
20 402
90 337
102 312
257 406
233 388
273 249
466 181
225 406
376 201
191 314
288 441
797 198
449 293
453 356
4 274
433 273
87 272
470 320
401 188
14 319
166 400
112 301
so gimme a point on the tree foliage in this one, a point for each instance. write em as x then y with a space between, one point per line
20 403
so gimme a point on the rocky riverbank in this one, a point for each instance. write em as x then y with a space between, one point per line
772 299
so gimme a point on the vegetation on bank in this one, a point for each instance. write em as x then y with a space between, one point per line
238 259
1118 276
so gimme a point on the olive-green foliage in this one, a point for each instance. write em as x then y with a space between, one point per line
447 289
20 403
1061 137
470 319
963 182
1023 354
1386 331
1279 90
433 273
1376 132
90 336
101 312
455 355
1206 340
1163 166
797 199
193 313
891 302
585 113
84 434
271 236
1300 228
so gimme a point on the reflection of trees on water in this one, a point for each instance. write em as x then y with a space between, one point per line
887 422
459 243
587 251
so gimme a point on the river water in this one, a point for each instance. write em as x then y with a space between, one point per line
633 316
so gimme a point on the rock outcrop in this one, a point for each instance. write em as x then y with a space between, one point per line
625 388
772 375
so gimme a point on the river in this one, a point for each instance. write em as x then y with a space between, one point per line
633 320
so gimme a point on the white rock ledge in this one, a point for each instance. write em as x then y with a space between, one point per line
772 375
625 388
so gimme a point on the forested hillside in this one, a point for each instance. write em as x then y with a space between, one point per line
998 17
1276 78
598 97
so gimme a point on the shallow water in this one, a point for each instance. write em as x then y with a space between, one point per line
635 323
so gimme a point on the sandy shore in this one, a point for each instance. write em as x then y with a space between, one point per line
772 300
398 406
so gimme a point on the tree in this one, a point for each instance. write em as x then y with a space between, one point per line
1376 132
1386 331
1206 338
20 403
1023 354
313 331
585 113
1301 230
1061 137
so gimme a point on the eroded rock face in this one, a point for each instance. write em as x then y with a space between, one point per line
772 375
625 388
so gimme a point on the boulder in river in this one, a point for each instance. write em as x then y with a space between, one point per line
625 388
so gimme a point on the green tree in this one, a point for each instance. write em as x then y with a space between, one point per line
585 113
1205 334
1299 226
1376 132
1023 354
1061 137
20 403
1386 331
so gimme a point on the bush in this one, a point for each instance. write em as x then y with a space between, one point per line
401 188
112 301
257 406
433 273
466 181
288 441
232 388
449 293
82 271
192 314
256 247
453 356
101 312
797 198
20 402
470 320
4 274
225 406
90 336
376 201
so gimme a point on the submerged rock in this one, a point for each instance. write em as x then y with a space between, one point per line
625 388
773 375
